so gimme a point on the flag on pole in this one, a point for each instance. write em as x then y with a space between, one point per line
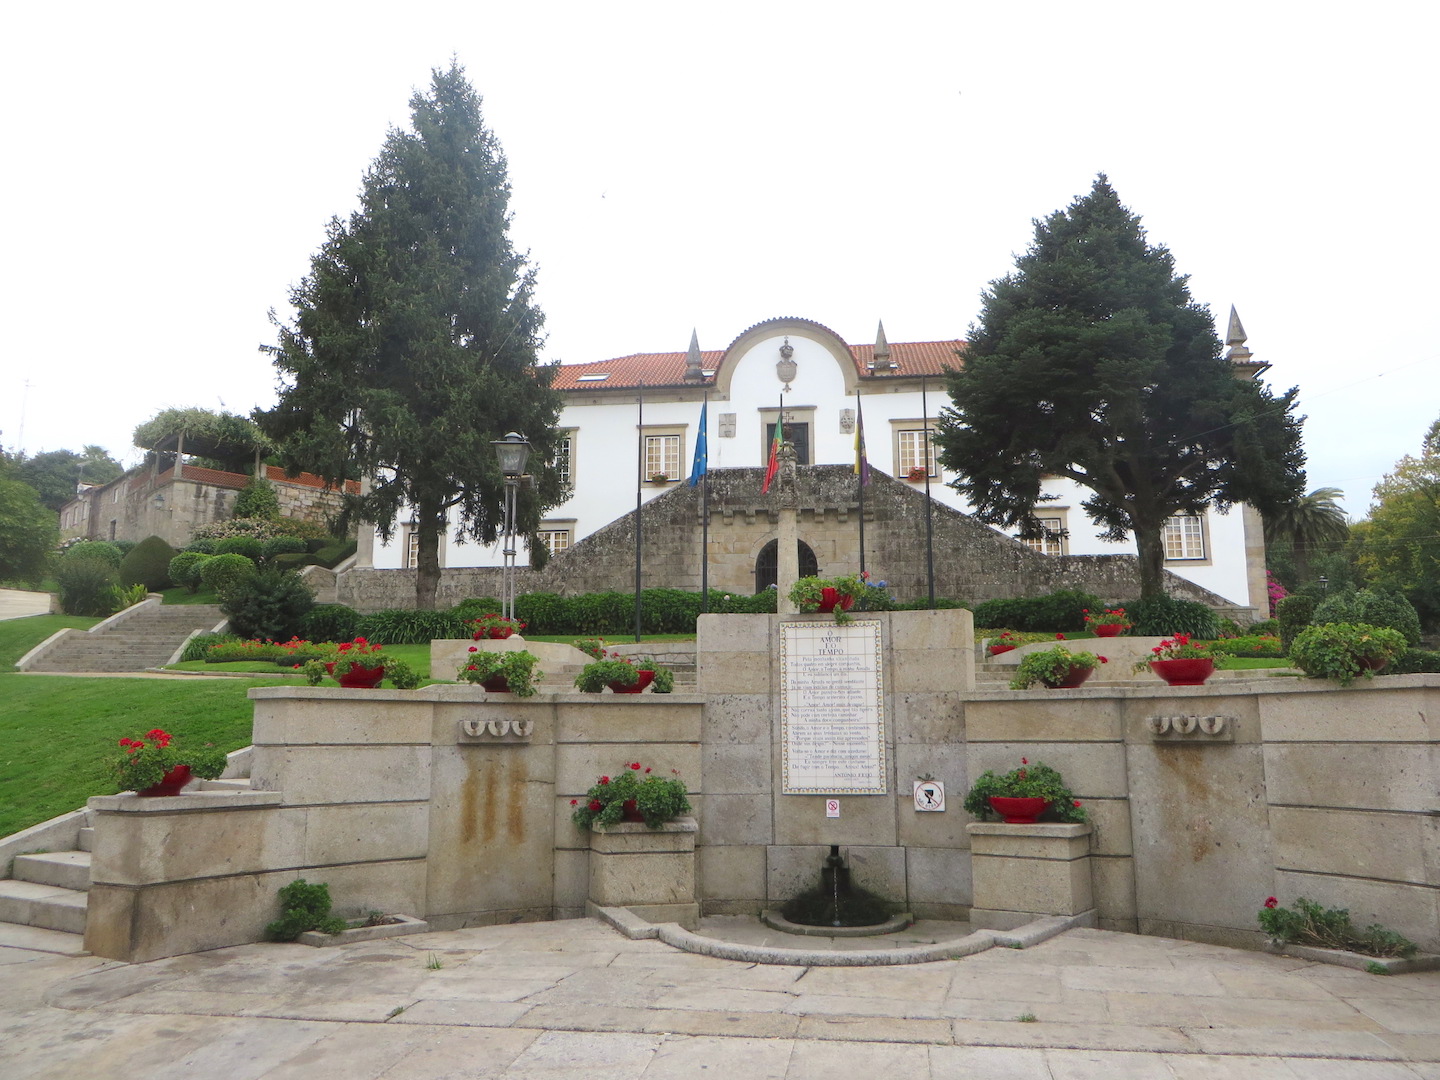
701 465
773 465
862 463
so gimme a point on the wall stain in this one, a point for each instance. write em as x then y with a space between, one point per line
519 777
469 790
1184 813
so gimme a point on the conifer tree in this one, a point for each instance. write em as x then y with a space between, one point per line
414 340
1091 361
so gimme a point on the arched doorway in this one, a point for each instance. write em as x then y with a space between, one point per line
766 564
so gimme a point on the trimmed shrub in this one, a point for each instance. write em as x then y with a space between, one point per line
1266 646
331 622
1264 626
258 500
309 531
331 555
292 561
148 564
248 546
85 584
398 626
1415 662
542 613
223 573
1293 614
282 545
268 604
1372 607
477 606
1166 616
204 546
198 647
96 549
123 546
185 569
1062 610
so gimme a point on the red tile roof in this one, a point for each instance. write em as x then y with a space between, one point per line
668 369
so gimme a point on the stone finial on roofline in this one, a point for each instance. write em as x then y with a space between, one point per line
693 367
1238 354
881 356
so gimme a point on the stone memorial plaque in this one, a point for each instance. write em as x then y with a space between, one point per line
832 719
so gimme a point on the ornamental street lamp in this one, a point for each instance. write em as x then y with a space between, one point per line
512 451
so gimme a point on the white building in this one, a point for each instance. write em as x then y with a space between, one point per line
637 418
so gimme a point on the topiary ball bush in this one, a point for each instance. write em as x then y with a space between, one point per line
203 544
1293 614
148 564
249 546
96 549
185 569
224 573
1372 607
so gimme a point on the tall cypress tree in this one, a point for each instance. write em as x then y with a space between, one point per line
1091 361
414 340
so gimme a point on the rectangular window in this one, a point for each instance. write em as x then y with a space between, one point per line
1185 537
796 433
564 458
557 540
662 456
911 452
1048 545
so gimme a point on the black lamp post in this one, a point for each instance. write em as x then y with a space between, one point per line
512 451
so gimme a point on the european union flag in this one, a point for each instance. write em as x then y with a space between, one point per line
702 458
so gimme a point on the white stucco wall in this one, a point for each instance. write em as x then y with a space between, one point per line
605 447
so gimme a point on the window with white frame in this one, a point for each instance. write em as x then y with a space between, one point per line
555 537
1185 537
565 457
914 451
662 456
1052 543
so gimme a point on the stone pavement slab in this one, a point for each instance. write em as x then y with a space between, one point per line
576 999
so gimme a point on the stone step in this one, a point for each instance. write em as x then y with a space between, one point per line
38 939
45 906
220 785
62 869
87 838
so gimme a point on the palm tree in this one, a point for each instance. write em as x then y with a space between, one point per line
1312 522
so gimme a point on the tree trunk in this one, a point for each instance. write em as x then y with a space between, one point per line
1151 545
429 525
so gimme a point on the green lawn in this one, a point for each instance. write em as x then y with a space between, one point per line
58 733
19 636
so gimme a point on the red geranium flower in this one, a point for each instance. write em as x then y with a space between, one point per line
1271 902
595 806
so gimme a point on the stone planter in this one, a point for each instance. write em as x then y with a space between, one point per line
650 871
1025 872
358 932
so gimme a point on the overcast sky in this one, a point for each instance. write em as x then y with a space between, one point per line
172 167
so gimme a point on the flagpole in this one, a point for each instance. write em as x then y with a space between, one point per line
929 506
705 514
860 466
639 482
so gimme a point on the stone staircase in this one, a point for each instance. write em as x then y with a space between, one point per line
141 637
45 900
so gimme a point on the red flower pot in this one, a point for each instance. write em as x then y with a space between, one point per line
630 811
362 678
170 783
1018 811
496 684
1073 678
1191 672
1109 630
646 678
830 599
1375 663
996 650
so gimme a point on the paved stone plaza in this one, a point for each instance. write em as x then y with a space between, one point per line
576 999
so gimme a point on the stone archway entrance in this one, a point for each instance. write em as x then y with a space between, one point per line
766 564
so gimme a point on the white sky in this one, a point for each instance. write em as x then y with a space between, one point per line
172 168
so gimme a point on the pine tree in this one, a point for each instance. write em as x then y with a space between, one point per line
414 339
1091 361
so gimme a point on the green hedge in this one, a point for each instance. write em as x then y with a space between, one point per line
1062 610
